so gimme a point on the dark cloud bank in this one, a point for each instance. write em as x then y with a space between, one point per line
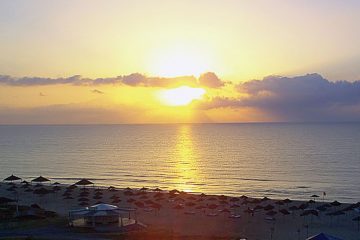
302 98
136 79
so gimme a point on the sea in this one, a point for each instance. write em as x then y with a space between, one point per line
277 160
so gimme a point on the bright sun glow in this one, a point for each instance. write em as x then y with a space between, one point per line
180 60
181 96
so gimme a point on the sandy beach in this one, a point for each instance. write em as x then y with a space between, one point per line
187 215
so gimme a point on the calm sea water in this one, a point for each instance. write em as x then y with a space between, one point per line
274 160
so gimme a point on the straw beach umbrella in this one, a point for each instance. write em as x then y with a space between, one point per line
293 208
83 199
12 178
269 207
174 191
41 192
116 200
84 194
213 206
114 196
139 204
287 201
234 199
314 196
279 203
66 194
264 199
25 185
284 211
71 187
335 203
97 197
310 212
303 206
40 179
243 197
149 202
84 182
56 188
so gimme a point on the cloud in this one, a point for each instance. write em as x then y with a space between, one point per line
96 91
134 79
210 80
302 98
37 81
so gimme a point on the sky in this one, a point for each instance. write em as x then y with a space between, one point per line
90 61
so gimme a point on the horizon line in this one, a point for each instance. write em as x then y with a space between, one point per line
183 123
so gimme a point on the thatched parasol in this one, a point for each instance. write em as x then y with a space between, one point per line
269 207
310 212
84 182
40 179
12 178
335 203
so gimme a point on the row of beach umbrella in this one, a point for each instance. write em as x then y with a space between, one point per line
14 178
41 179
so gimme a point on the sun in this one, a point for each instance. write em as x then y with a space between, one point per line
181 96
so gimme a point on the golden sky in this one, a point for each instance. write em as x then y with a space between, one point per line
45 43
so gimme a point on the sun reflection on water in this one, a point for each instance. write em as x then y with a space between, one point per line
186 162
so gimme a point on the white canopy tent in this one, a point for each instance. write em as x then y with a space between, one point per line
103 214
323 236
